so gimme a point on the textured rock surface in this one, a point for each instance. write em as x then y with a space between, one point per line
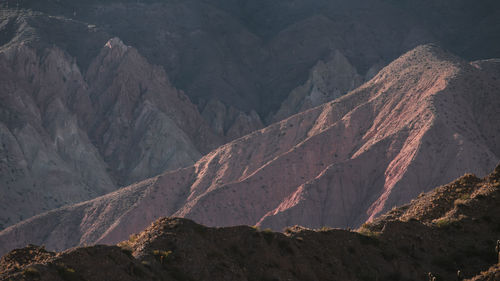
448 230
142 124
47 160
230 122
66 137
327 81
251 55
425 119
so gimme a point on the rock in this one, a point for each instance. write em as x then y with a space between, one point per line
67 138
137 110
327 81
47 159
230 122
416 235
425 119
252 55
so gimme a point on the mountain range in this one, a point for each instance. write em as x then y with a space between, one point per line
320 113
423 120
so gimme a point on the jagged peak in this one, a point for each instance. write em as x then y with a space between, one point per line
116 42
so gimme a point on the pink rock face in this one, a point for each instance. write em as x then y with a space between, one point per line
144 124
424 120
66 137
230 122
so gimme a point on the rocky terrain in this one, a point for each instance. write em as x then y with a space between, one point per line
78 120
68 136
425 119
252 54
327 81
449 233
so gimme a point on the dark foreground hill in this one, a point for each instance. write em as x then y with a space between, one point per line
447 232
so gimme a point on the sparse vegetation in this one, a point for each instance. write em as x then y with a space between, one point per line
368 254
368 232
443 222
267 230
67 273
325 229
133 238
161 255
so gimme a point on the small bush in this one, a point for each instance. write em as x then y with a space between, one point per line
443 222
368 237
256 228
67 273
325 229
160 253
464 196
133 238
162 256
267 230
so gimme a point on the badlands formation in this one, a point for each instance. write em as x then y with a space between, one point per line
449 233
425 119
79 120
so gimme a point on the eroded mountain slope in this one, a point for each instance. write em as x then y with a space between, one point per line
425 119
449 233
67 137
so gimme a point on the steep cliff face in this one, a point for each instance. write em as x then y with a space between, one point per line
67 137
425 119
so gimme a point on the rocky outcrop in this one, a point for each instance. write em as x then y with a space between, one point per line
230 122
67 137
449 233
142 124
425 119
327 81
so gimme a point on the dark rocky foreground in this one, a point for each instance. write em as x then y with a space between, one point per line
453 228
